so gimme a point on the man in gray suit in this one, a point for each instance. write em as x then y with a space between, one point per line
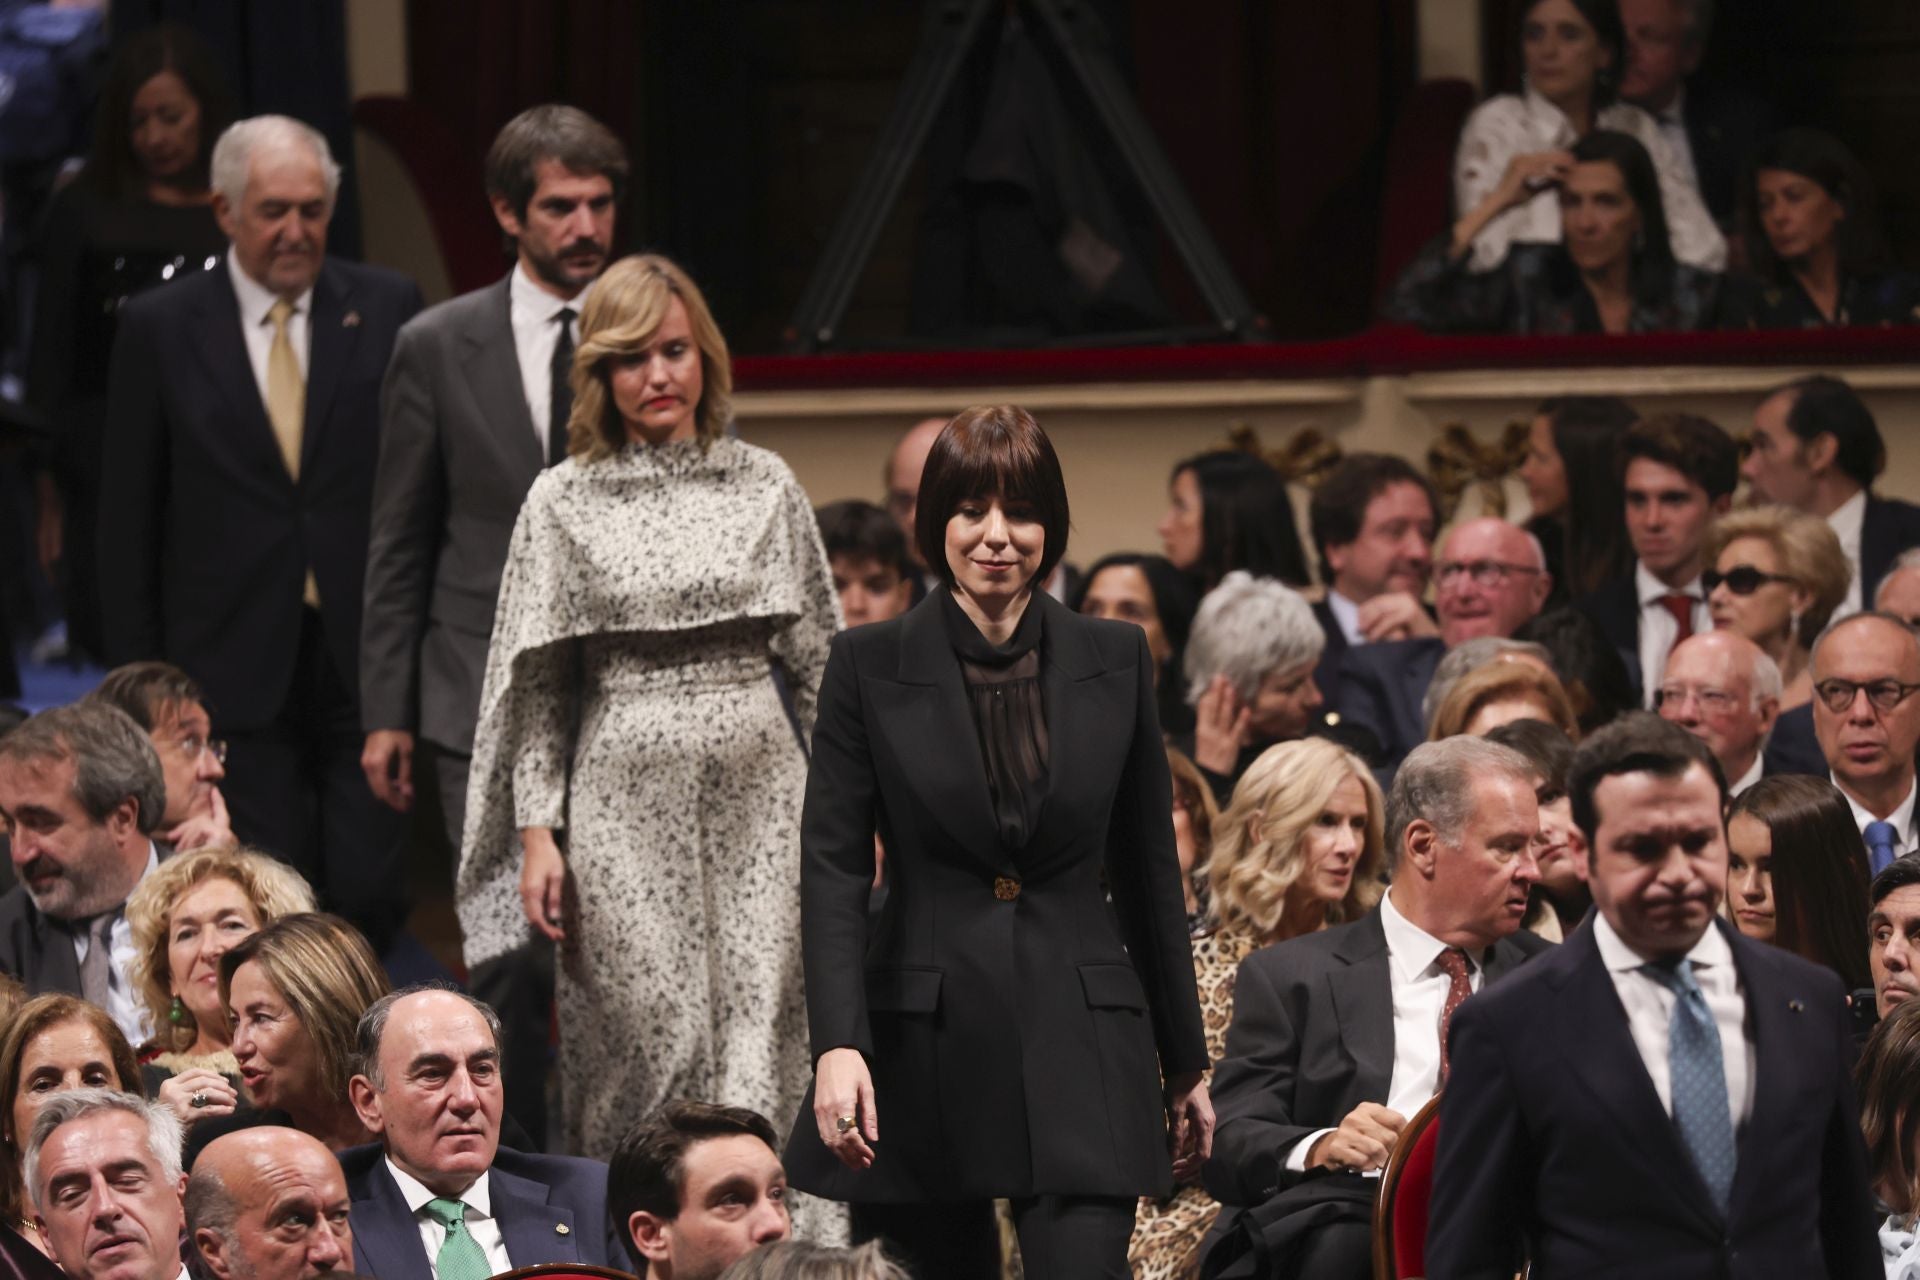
475 404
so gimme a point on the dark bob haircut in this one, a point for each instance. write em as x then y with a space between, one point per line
649 1168
1698 449
1338 510
1819 871
1859 243
1604 17
1246 519
991 451
1638 742
112 168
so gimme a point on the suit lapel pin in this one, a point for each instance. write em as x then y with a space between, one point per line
1795 1005
350 321
562 1229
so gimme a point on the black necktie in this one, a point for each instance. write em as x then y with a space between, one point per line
560 389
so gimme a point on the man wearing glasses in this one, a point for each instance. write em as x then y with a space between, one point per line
1724 690
1866 670
166 702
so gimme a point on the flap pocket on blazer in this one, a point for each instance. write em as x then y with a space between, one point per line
903 990
1112 986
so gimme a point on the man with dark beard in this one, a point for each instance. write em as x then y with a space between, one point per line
476 403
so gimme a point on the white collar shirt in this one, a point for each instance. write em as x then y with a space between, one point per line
256 322
124 1005
481 1224
1649 1006
1901 817
1347 614
1848 523
1658 631
535 316
1753 774
1672 122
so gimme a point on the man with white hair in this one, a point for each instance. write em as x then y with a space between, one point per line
103 1171
1724 690
242 430
1899 590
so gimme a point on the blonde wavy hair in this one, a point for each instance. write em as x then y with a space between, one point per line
1286 789
619 316
1503 681
327 973
272 887
1809 551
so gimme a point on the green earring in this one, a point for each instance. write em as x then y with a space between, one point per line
178 1014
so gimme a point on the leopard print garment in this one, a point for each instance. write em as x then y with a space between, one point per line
1167 1233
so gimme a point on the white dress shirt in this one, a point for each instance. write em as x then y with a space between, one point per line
1649 1006
1901 817
536 331
124 1005
1673 129
1658 631
1508 125
1753 773
1899 1250
1848 522
256 325
1347 614
481 1224
1420 989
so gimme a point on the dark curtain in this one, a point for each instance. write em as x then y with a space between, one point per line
282 59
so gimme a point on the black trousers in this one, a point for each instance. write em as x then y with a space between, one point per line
1061 1237
519 985
294 788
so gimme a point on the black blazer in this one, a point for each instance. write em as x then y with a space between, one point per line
1552 1137
1326 676
1010 1013
1792 747
550 1209
1889 527
34 949
1725 127
1615 609
1311 1039
1381 688
204 537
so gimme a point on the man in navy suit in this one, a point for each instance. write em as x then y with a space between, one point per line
1660 1097
1372 520
1817 448
243 420
438 1198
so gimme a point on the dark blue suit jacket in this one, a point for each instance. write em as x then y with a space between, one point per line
1889 527
1615 609
1792 748
1381 687
1552 1138
550 1209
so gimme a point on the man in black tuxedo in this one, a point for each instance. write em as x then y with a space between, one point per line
1373 520
1319 1075
1817 448
241 435
438 1195
1659 1098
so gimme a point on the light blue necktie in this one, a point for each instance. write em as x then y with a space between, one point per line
1883 845
1698 1080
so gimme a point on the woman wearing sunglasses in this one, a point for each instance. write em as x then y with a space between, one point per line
1777 576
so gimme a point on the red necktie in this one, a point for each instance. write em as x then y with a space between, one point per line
1452 962
1681 607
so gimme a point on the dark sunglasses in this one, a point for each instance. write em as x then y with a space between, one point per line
1742 579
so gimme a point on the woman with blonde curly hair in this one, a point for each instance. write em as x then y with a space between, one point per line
628 716
1498 693
1776 577
194 908
1298 848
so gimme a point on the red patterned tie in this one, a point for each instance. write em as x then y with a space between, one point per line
1681 607
1453 963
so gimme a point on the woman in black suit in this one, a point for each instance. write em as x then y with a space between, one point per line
1014 1025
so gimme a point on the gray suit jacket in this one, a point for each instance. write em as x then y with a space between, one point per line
457 455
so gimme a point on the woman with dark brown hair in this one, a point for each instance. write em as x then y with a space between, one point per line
1797 873
1888 1081
1011 1023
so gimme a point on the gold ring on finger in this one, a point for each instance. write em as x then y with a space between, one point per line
843 1124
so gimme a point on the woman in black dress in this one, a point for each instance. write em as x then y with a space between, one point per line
140 214
1010 1023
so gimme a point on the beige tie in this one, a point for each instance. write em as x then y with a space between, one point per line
287 408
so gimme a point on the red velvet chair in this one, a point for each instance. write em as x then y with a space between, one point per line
1417 195
565 1271
1406 1189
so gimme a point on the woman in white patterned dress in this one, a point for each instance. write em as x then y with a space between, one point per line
637 784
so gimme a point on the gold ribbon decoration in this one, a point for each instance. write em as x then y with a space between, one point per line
1304 459
1458 459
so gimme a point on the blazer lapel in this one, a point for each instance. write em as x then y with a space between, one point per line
535 1231
492 366
385 1235
333 330
1363 1004
223 352
1778 1021
1085 704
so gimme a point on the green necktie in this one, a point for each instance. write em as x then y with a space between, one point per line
461 1257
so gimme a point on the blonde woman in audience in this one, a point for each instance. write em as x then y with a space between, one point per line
193 909
1888 1078
1499 693
1777 576
53 1043
1298 848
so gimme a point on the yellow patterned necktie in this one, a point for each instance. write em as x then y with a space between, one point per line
286 389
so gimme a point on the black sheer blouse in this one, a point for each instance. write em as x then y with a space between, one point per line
1009 716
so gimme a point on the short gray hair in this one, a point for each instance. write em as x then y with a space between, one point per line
210 1203
163 1128
233 154
1435 782
1247 627
373 1025
805 1260
1470 655
1765 681
112 758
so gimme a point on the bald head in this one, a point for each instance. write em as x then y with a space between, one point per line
1869 747
269 1203
1491 577
1723 689
904 465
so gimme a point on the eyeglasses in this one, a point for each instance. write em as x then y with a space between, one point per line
1742 579
1485 573
1885 695
1713 701
192 746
